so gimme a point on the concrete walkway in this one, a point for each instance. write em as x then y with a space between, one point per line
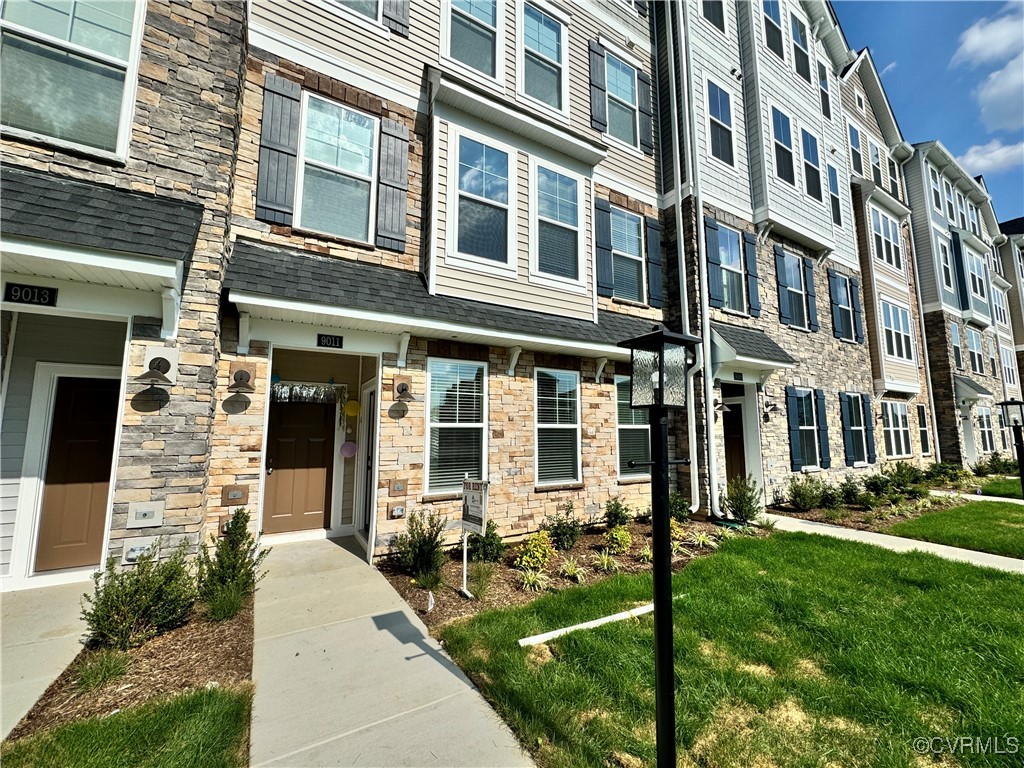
40 634
346 674
898 543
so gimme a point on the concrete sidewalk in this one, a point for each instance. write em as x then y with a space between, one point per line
346 674
898 543
40 634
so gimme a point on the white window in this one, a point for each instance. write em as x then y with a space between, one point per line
482 230
826 103
634 432
368 8
473 34
812 165
844 307
898 335
961 209
936 188
833 196
714 11
558 427
622 100
999 301
1009 360
797 291
807 421
69 71
896 428
628 262
922 430
720 117
858 438
783 135
973 216
557 228
946 264
545 48
876 163
856 153
773 27
974 348
730 253
988 442
950 209
894 178
958 355
337 175
992 363
861 104
886 239
456 422
801 48
976 273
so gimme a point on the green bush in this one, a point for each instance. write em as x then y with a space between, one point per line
419 550
981 468
564 528
572 569
489 548
830 498
916 492
225 601
945 472
534 581
100 668
868 500
618 540
849 490
130 606
1001 465
479 579
616 513
231 574
535 553
679 506
877 484
804 493
646 555
903 474
742 499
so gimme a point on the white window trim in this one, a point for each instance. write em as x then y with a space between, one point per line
782 32
956 341
853 127
812 60
562 18
875 149
907 334
725 19
961 209
923 429
630 61
128 95
510 267
949 198
1000 306
897 245
979 353
618 441
860 100
537 426
827 90
973 218
742 272
375 26
975 261
935 186
838 196
822 182
896 426
642 258
499 49
986 433
803 295
1009 362
484 428
792 143
721 164
846 293
816 464
543 278
858 398
945 262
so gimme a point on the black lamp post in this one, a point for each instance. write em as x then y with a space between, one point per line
1013 412
660 362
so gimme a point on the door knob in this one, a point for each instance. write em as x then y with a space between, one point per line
270 466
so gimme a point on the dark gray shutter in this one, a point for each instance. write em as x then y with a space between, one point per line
960 269
785 316
716 290
395 14
646 105
392 185
825 458
812 302
641 7
833 296
598 88
603 244
796 462
844 413
750 257
655 291
279 149
869 427
858 311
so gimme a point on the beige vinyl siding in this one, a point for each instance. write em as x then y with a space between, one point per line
440 222
868 124
894 369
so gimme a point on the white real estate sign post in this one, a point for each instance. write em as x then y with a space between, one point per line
474 519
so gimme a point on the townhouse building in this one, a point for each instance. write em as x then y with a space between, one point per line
1009 254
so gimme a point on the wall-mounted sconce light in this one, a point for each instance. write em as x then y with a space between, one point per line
770 407
156 373
241 382
403 388
721 407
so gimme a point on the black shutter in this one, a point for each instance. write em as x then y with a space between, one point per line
844 413
646 105
598 88
641 7
833 296
869 427
603 244
750 257
655 290
812 303
795 458
960 269
279 149
785 316
395 14
825 460
858 311
716 290
392 185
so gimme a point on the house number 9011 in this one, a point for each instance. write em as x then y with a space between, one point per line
30 294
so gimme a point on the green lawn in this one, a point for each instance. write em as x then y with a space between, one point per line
793 651
984 526
1009 489
204 729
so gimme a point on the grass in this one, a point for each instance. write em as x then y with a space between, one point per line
984 526
1008 489
794 650
203 729
100 668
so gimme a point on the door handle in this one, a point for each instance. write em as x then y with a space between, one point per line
270 466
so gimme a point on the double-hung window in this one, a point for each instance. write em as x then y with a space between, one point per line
558 427
992 364
801 48
844 307
876 163
796 290
622 100
946 264
558 224
856 153
976 272
999 301
336 177
482 225
783 135
368 8
68 70
950 205
922 430
628 255
974 348
973 215
898 337
473 34
714 11
988 442
807 421
720 114
936 188
958 354
896 428
544 39
894 178
1009 360
730 254
833 196
961 209
812 165
773 27
858 438
457 420
826 103
886 239
634 432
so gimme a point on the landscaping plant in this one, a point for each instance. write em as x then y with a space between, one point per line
678 506
702 540
645 555
830 498
534 581
100 668
572 570
563 527
419 550
903 474
618 540
804 493
604 562
676 531
877 484
489 548
849 490
616 513
479 579
230 575
535 553
742 499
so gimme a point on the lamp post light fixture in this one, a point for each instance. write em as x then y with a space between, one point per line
1013 413
660 363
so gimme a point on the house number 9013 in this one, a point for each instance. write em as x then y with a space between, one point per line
30 294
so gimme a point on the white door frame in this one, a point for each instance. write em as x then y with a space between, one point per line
752 457
33 470
359 497
970 441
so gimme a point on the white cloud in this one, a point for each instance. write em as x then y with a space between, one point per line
888 68
992 39
1001 97
993 157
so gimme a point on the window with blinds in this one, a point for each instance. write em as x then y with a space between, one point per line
634 432
627 255
558 235
558 427
456 414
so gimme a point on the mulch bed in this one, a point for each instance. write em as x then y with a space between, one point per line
505 588
863 519
193 656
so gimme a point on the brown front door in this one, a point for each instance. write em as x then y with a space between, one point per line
732 433
300 460
77 479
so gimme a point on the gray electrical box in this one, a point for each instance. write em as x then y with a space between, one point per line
136 548
145 514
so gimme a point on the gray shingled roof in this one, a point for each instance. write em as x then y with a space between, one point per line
50 207
749 342
1013 226
304 276
968 389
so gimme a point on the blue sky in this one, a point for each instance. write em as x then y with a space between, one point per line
954 71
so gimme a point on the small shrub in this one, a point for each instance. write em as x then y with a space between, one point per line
533 581
833 514
804 493
742 499
646 555
604 562
903 474
916 492
224 601
765 523
849 490
678 549
981 469
618 540
1000 465
616 514
877 484
572 570
100 668
479 579
563 527
702 540
945 472
420 550
230 575
868 500
678 506
676 531
535 553
831 498
489 548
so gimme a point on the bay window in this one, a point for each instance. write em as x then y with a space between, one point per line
457 418
898 337
558 427
976 272
482 217
886 239
1009 360
634 432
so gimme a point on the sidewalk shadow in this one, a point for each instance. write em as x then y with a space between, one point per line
397 624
